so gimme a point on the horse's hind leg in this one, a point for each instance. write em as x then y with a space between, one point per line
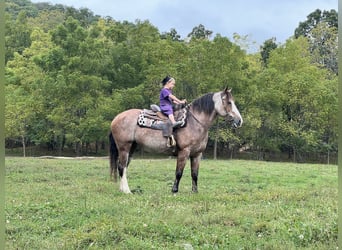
122 167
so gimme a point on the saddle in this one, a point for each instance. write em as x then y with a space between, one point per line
154 118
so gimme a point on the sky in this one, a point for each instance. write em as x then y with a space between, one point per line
259 20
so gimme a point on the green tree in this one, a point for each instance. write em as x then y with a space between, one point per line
252 108
14 7
17 35
199 32
296 98
173 35
266 49
84 16
19 115
321 30
324 46
313 19
79 85
47 20
25 113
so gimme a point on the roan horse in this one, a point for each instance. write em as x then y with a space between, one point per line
191 140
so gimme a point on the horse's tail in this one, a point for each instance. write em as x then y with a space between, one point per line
113 158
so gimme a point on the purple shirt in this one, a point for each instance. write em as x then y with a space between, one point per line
165 101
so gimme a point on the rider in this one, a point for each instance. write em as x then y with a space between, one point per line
166 98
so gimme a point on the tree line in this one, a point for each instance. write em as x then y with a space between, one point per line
69 72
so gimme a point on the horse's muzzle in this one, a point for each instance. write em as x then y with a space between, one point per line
237 123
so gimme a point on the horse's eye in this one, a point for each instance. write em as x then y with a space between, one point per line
229 102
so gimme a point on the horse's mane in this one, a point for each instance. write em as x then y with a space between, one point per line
204 104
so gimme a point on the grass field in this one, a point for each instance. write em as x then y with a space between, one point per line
71 204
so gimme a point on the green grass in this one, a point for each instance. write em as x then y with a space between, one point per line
71 204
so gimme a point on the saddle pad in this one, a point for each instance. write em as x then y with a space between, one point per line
147 118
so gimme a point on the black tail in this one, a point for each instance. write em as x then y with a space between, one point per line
113 158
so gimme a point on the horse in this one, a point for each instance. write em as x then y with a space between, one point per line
191 140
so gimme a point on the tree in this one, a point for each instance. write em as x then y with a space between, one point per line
313 19
321 30
173 35
47 20
266 49
14 7
76 87
19 115
297 95
17 35
324 46
84 16
23 103
25 114
244 42
199 32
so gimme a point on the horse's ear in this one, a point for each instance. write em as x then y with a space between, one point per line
227 90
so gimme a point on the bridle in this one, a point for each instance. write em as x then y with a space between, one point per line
227 116
223 99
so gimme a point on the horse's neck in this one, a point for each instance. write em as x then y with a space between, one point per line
205 120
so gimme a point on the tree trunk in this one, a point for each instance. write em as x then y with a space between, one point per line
215 142
77 149
215 149
24 146
60 146
294 154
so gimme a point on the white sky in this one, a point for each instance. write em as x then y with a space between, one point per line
259 19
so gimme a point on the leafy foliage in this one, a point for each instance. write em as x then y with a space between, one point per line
321 30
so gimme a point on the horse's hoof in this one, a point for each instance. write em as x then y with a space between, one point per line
174 190
125 191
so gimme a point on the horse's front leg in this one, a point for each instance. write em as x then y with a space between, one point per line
122 167
181 161
194 171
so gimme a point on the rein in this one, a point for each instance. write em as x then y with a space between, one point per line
195 117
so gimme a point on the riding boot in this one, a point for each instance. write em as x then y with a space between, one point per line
176 124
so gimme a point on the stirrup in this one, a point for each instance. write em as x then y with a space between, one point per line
171 142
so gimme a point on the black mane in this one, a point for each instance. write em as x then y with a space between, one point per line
204 104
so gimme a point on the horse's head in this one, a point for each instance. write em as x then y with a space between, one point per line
225 106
